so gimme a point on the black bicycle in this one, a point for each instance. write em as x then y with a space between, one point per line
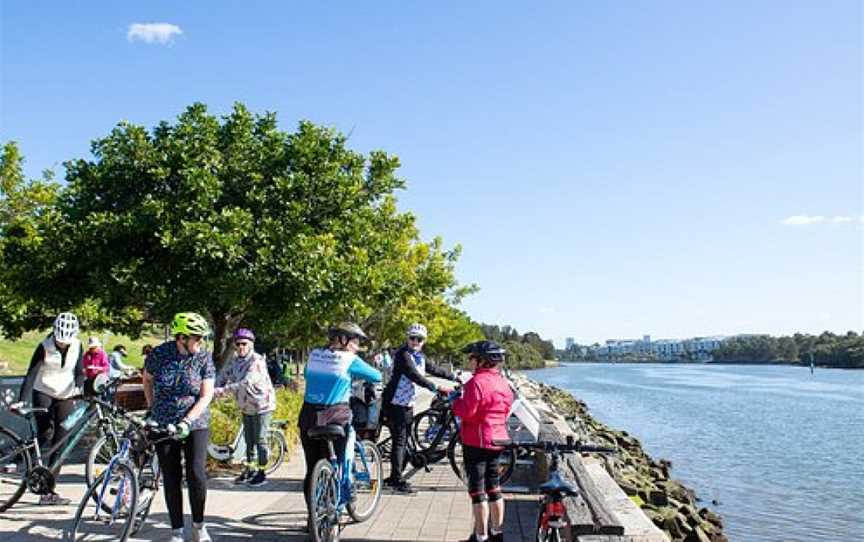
22 463
552 522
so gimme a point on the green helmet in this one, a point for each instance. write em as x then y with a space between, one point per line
189 323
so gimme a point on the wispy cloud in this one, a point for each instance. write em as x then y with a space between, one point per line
808 220
161 33
802 220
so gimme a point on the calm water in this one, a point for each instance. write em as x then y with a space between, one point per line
781 449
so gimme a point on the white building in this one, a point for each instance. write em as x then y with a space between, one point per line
698 348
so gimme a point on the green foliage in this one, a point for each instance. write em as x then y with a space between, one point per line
827 349
225 417
523 351
523 356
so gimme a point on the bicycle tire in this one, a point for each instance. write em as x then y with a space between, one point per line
323 501
506 466
101 450
82 514
421 426
275 438
376 481
10 441
147 495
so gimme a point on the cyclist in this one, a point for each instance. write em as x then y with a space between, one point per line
118 368
483 408
54 378
328 376
248 380
409 369
178 385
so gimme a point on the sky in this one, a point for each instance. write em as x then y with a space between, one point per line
611 169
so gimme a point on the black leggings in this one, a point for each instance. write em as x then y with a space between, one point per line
49 426
314 449
399 423
484 480
194 450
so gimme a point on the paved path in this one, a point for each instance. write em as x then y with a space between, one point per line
440 512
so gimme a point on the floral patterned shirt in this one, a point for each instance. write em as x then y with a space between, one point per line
177 380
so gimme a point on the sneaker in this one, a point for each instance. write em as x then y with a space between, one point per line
200 534
176 535
53 499
497 537
244 477
257 480
404 488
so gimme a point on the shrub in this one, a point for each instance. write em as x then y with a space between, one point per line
225 417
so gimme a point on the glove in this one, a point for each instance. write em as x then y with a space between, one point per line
182 430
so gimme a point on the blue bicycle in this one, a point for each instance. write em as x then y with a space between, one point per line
353 485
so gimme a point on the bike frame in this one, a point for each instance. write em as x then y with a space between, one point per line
68 442
121 455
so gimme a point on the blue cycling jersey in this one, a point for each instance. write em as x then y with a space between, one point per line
329 373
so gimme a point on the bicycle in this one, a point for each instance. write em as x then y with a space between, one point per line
552 522
22 465
116 505
333 490
235 452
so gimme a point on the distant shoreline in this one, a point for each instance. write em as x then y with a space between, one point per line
666 362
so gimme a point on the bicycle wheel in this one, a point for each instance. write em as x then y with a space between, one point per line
323 500
276 446
100 456
506 464
117 489
148 486
368 477
426 427
14 465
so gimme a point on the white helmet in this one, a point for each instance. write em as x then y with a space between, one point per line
65 327
417 330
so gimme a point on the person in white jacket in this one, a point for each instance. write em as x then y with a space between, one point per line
248 380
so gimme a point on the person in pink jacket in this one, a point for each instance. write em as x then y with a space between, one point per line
483 409
95 359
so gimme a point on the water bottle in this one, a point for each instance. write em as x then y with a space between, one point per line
73 418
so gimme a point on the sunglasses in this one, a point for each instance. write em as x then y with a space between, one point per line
242 343
416 339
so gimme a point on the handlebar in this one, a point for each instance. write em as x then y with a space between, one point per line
570 446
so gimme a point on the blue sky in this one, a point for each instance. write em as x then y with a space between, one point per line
611 169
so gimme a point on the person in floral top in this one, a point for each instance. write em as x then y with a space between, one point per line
178 385
248 380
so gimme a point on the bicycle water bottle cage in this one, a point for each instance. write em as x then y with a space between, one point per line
557 484
327 432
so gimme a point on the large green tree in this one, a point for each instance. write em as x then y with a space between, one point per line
241 221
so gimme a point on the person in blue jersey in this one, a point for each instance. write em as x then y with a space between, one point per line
328 374
409 370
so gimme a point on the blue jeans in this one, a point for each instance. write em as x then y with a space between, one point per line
255 427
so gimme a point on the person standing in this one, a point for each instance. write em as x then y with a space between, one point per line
484 407
118 368
178 385
95 359
248 380
55 376
409 369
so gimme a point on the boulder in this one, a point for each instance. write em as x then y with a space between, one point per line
697 535
711 516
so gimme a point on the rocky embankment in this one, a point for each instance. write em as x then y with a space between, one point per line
673 507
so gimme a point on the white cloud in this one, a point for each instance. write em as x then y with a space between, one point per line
161 33
802 220
841 219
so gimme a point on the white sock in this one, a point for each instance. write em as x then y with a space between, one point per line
493 532
481 537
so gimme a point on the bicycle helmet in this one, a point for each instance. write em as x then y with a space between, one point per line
65 327
347 329
486 350
189 323
417 330
243 333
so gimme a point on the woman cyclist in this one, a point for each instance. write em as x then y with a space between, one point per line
54 378
248 380
328 389
178 385
484 408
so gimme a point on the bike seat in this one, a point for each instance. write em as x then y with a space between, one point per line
327 432
557 484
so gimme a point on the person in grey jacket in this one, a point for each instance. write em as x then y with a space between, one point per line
247 379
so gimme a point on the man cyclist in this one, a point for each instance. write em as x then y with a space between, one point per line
400 394
328 374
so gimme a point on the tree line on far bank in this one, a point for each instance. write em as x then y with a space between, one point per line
528 351
250 225
827 349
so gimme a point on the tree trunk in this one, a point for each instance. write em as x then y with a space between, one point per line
223 327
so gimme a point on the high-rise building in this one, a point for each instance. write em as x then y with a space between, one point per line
569 342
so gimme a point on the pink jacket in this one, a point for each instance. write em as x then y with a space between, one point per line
483 408
95 363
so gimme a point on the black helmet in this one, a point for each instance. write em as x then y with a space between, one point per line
347 329
488 350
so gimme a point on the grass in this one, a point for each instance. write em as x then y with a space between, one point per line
16 354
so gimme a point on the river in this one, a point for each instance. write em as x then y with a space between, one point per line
781 450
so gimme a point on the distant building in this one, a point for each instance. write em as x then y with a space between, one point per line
696 349
569 342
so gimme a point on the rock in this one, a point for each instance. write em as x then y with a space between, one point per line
711 516
697 535
658 498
